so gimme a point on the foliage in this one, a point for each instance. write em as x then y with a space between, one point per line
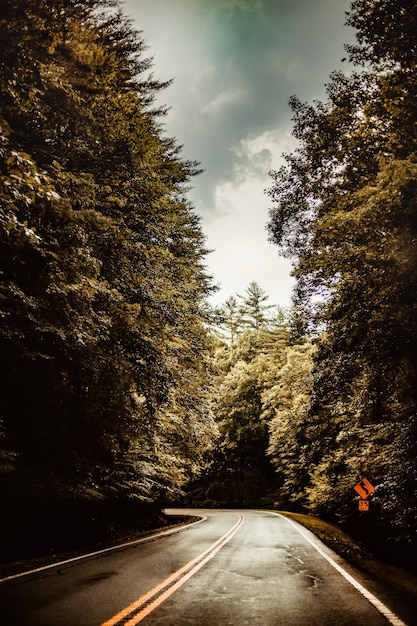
344 210
239 473
103 347
232 318
292 434
254 310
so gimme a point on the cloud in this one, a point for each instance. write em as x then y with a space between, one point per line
235 64
227 99
238 227
242 252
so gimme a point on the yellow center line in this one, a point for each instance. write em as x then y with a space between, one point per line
152 600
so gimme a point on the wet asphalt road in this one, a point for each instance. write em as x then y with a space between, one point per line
233 568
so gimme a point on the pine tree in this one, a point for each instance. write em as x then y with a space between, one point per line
102 259
253 309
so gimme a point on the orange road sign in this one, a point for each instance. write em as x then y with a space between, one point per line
364 488
363 505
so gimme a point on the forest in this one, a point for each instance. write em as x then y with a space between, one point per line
121 385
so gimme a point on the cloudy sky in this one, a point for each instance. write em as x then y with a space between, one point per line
234 65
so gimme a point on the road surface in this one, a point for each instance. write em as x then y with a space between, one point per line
231 568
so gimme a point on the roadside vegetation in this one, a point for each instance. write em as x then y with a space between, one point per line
103 341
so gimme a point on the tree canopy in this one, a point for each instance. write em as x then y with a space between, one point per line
103 341
115 382
247 355
344 209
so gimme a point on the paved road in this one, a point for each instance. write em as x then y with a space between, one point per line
233 568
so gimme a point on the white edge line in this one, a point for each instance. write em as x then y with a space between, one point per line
384 610
170 531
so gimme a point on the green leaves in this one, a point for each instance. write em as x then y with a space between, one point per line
102 259
244 371
386 32
345 211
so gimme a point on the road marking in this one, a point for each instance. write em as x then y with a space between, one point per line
139 609
384 610
119 546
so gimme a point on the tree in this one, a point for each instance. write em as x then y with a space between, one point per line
386 34
239 473
231 319
286 406
102 261
344 210
254 310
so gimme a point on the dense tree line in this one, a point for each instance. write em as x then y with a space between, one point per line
344 209
103 343
250 347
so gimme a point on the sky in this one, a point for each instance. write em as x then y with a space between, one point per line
234 65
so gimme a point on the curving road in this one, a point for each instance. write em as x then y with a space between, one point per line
231 568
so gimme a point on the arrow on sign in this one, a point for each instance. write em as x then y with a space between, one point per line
364 488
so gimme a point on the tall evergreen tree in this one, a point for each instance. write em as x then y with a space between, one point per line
103 339
230 318
253 309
